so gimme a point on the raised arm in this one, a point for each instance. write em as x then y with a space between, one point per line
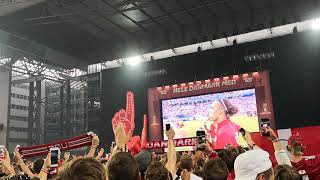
280 154
171 154
100 154
121 139
6 163
22 165
250 142
94 145
43 175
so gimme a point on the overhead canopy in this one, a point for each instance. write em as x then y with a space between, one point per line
100 30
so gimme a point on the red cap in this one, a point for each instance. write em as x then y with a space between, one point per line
295 138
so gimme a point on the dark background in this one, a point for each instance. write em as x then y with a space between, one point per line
293 76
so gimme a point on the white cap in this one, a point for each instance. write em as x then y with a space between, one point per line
249 164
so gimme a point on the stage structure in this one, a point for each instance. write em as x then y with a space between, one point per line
47 102
186 107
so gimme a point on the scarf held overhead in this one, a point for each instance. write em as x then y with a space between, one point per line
64 145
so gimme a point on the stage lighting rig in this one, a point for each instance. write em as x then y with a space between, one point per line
259 57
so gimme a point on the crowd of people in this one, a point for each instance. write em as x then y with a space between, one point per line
208 164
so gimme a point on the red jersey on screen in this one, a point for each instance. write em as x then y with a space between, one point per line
227 133
309 166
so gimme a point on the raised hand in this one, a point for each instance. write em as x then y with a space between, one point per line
100 154
18 156
66 156
170 134
95 140
121 137
273 135
47 161
6 162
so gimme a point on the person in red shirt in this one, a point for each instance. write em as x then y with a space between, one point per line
223 131
306 166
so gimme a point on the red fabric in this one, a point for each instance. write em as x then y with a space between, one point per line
310 165
144 132
134 145
226 134
310 137
231 175
64 145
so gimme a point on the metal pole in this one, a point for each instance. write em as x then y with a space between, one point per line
37 113
61 111
68 108
30 113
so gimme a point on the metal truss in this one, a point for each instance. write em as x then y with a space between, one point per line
54 103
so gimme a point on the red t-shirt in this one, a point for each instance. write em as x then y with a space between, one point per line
309 166
227 133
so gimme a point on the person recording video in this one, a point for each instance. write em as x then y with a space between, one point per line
223 131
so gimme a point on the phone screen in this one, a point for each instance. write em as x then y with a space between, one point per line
54 157
201 140
264 123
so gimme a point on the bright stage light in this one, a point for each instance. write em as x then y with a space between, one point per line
132 61
316 24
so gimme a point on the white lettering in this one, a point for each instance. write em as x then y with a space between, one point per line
247 80
228 82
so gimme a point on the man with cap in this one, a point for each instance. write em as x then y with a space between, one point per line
253 165
306 166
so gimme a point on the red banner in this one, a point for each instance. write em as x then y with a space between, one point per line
177 143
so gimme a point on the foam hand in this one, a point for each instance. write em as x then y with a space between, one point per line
126 117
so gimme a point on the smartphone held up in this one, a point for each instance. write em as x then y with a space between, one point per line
55 156
264 124
201 140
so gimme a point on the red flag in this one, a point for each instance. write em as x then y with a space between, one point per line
144 132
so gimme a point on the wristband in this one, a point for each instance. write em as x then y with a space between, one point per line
10 172
45 170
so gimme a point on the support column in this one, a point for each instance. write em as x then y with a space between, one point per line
30 113
61 120
68 108
37 126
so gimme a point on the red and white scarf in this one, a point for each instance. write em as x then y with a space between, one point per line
64 145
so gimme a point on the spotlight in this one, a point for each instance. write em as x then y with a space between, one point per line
316 24
132 61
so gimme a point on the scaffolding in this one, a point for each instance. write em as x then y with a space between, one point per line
57 98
